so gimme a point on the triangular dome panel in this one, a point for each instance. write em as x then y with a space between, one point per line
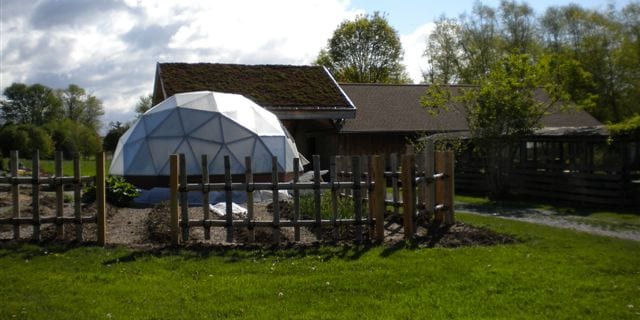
242 148
276 145
192 163
171 126
153 120
141 163
201 147
217 164
261 158
162 149
210 131
192 120
232 131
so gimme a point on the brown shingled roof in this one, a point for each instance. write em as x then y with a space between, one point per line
276 87
396 108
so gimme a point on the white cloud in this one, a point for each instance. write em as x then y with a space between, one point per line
111 47
414 45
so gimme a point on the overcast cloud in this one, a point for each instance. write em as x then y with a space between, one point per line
111 47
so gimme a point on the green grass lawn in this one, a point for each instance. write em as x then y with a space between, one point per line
549 274
612 218
87 166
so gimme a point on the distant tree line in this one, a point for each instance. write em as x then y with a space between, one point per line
36 117
578 58
595 55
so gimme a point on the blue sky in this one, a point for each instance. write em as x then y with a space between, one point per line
407 16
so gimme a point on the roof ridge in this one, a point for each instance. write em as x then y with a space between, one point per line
401 85
239 65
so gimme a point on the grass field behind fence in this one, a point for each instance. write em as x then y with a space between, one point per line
87 166
550 274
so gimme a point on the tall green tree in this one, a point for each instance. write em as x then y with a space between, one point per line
502 109
479 43
81 107
443 52
518 27
144 103
25 138
365 50
116 130
74 138
605 43
30 104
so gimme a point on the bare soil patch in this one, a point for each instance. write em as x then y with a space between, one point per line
148 228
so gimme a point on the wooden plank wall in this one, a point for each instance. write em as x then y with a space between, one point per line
570 172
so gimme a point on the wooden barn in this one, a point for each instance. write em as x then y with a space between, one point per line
389 116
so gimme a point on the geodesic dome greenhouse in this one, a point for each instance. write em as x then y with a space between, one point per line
196 123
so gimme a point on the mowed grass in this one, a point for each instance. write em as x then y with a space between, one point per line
87 166
549 274
608 218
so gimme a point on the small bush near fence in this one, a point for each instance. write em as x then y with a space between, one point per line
119 192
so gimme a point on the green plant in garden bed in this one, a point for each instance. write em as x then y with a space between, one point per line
550 274
119 192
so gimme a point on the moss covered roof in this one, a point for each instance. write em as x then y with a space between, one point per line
271 86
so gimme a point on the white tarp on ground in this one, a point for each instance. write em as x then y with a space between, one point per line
204 122
220 210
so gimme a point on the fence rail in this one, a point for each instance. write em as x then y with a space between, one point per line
55 183
425 181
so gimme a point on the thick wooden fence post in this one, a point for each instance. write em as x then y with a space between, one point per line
173 199
77 198
276 200
408 194
228 197
206 213
15 194
317 195
184 198
59 187
379 196
449 188
430 190
296 199
35 194
334 197
101 199
248 178
357 196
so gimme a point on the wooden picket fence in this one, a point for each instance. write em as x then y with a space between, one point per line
56 183
420 184
426 182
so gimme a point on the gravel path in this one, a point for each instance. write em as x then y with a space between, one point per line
548 218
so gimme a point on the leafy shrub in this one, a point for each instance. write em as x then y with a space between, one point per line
629 127
119 192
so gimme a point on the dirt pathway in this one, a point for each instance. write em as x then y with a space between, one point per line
548 218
